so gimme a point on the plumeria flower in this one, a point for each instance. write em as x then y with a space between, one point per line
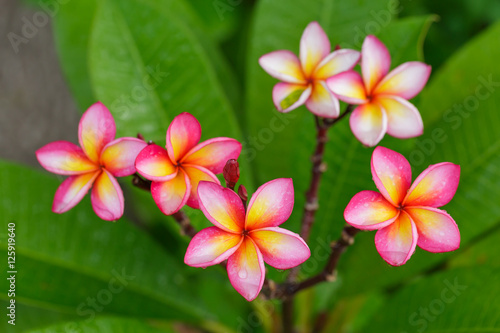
100 159
304 79
406 214
176 171
382 98
248 239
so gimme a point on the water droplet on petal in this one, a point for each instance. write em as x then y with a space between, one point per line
242 273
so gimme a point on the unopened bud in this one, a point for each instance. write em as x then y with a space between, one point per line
242 192
231 173
140 137
337 47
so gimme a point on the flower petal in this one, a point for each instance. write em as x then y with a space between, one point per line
64 158
368 123
348 86
213 154
154 164
289 96
211 246
391 173
171 195
107 197
405 81
336 62
437 231
72 190
397 242
196 174
222 207
314 46
369 210
283 65
435 186
96 129
118 156
270 205
281 248
403 119
183 134
322 101
246 270
375 62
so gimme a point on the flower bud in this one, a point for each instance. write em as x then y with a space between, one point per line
231 173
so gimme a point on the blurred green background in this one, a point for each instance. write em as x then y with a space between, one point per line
77 273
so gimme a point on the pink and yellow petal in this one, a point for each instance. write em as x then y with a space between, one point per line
246 270
107 197
348 87
280 248
154 164
437 231
65 158
322 101
403 119
405 81
270 205
222 207
336 62
196 174
391 173
183 134
435 186
375 62
171 195
397 242
314 47
289 96
118 156
96 129
211 246
72 190
368 124
369 210
283 65
213 154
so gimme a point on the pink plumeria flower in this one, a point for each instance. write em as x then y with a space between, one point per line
247 239
406 214
176 171
304 79
100 159
382 98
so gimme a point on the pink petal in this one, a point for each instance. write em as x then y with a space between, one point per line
107 197
288 96
336 62
397 242
270 205
405 81
435 186
171 195
403 119
391 173
368 123
154 164
213 154
211 246
375 62
322 102
369 210
222 207
64 158
72 190
96 129
183 134
281 248
348 87
437 231
246 270
118 156
314 46
196 174
283 65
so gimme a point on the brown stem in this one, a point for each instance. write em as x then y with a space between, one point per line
287 312
141 183
185 224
